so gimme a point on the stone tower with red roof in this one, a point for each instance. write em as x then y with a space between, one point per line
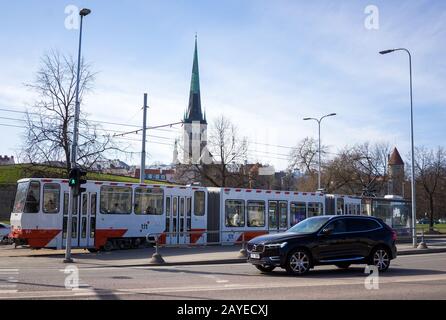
396 173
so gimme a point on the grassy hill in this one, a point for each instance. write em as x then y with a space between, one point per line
12 173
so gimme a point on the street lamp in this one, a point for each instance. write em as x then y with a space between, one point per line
84 12
319 152
414 233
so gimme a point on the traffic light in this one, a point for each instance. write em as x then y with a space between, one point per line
82 180
76 180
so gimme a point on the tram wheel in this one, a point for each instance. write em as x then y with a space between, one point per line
108 246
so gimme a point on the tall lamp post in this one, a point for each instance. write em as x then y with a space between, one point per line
414 233
319 152
84 12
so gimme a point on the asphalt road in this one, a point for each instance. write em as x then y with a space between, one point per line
409 277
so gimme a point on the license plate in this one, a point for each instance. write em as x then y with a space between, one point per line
255 256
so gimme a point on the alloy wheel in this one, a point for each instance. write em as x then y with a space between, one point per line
381 259
299 262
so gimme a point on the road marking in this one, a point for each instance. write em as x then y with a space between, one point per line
225 287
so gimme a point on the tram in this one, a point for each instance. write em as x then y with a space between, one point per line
114 215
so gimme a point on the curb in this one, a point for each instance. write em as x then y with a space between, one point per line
229 261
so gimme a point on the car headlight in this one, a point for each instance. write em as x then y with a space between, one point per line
275 245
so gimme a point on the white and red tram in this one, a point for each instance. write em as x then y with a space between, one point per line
120 215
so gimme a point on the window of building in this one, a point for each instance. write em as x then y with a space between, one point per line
315 209
51 197
116 200
298 212
256 213
235 213
149 201
199 203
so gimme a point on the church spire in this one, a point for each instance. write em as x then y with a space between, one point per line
194 112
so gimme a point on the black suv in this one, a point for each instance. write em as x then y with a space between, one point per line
322 240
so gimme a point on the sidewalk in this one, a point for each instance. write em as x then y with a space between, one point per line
171 256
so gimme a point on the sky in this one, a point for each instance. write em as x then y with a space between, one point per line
264 64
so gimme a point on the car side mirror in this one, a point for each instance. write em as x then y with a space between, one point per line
327 231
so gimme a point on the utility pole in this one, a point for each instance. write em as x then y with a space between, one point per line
143 150
73 198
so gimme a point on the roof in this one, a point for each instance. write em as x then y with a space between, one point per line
395 158
194 112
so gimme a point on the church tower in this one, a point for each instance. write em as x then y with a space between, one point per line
195 124
396 173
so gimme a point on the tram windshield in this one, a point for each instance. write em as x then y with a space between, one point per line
27 198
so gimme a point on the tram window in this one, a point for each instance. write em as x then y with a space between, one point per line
93 204
256 213
188 207
315 209
84 203
168 206
340 206
181 206
64 227
51 197
92 226
20 198
84 227
149 201
116 200
298 212
175 206
283 214
32 203
199 203
74 227
235 213
66 196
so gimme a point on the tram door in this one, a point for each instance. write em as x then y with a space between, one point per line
277 216
87 219
178 219
83 220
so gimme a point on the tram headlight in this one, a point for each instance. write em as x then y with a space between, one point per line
276 245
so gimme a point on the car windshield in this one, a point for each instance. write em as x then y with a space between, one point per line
309 225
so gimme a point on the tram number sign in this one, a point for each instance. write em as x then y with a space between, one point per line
144 226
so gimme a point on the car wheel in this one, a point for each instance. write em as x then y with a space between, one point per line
380 258
298 262
265 268
343 265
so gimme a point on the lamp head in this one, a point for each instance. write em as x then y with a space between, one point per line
84 12
386 51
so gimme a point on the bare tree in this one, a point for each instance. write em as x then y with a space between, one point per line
430 166
49 124
228 151
304 156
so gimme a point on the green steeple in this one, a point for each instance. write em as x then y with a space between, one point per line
194 112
